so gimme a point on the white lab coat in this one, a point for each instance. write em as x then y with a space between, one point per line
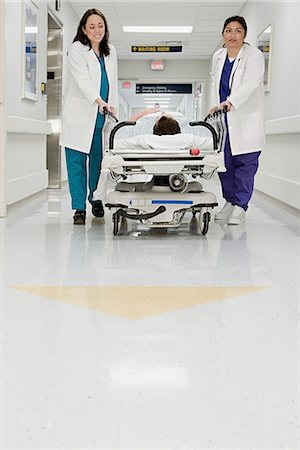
246 118
82 89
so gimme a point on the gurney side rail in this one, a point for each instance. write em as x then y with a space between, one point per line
211 129
115 129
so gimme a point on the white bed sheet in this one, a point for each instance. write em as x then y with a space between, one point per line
176 141
145 125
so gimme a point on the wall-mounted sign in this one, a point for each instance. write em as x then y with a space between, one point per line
30 51
163 88
157 65
156 48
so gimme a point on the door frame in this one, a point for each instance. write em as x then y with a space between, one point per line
3 206
59 26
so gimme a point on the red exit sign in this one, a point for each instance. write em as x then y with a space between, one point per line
157 65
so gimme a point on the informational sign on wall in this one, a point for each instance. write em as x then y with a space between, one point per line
29 63
185 88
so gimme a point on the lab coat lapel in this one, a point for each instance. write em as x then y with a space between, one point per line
220 65
108 68
236 64
94 66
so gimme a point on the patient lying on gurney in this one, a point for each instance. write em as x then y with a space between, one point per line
166 135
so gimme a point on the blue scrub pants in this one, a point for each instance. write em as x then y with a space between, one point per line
238 181
79 177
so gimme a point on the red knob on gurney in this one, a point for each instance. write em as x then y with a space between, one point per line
195 151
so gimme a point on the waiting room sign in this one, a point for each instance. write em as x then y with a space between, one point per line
156 48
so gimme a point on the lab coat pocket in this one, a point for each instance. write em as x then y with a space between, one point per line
251 125
78 111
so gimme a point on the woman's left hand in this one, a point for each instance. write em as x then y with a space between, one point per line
226 103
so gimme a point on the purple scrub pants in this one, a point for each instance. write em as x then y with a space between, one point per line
238 181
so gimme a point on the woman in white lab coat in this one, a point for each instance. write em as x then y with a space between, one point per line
91 85
237 83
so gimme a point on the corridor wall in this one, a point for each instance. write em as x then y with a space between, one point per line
26 120
279 173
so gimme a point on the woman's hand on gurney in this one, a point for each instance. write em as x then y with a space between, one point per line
227 104
102 104
224 105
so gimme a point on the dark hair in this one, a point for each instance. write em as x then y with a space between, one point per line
166 125
80 36
238 19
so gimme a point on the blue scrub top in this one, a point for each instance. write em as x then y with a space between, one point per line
224 90
104 89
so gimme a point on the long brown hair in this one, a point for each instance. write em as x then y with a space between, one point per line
80 36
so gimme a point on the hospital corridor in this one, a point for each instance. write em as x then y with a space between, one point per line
150 271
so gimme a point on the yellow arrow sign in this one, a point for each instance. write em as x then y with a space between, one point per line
136 302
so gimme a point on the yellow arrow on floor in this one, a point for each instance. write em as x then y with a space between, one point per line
136 302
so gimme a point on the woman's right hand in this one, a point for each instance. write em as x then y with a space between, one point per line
102 104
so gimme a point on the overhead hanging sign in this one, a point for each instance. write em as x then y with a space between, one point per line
156 48
155 88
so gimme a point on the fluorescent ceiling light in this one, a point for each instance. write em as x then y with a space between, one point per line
165 96
158 29
149 100
156 101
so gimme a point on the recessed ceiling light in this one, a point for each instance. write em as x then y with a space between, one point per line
158 29
157 95
157 99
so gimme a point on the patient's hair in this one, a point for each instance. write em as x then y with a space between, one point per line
166 125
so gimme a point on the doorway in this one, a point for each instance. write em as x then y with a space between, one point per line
2 114
54 94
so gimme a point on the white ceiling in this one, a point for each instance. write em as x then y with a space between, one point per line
206 17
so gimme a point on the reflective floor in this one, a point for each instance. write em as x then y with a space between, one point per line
149 340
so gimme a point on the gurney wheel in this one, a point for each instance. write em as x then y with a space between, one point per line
204 220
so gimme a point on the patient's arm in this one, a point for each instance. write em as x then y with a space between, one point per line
143 113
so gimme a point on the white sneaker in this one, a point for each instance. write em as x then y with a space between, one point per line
238 216
225 212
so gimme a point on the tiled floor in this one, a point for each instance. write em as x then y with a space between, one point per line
160 341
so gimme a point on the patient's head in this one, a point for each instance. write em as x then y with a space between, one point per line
166 125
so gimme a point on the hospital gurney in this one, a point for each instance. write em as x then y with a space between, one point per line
171 187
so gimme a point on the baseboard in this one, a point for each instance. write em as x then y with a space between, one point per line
25 201
290 210
25 186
